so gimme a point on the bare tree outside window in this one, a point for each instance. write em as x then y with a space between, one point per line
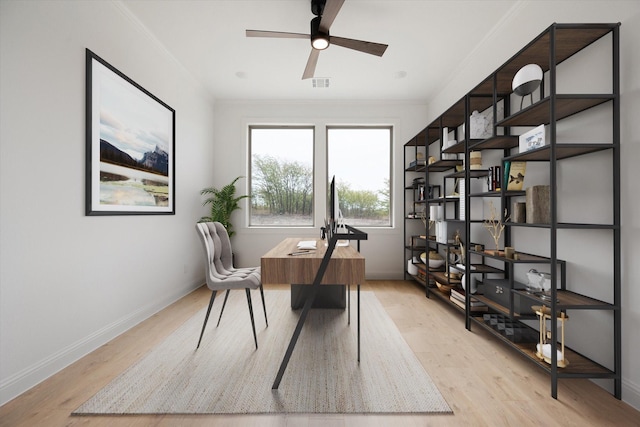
281 176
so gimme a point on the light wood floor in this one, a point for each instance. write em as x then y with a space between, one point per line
484 382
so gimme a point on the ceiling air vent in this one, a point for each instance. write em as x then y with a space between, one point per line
320 82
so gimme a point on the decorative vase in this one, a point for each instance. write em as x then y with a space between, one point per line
475 160
473 282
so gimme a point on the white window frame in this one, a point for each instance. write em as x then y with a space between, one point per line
314 204
390 128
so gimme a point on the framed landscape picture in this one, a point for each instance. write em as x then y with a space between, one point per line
130 164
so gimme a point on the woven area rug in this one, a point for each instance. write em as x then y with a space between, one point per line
228 376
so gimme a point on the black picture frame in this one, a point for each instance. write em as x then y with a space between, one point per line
130 145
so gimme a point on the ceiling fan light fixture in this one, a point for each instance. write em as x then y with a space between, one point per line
319 39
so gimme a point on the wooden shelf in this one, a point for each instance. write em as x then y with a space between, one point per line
457 148
566 105
416 168
563 151
443 165
482 269
579 365
524 257
570 300
441 200
499 307
496 142
439 275
486 194
565 225
475 173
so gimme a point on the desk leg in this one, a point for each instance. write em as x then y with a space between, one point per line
358 322
348 303
294 339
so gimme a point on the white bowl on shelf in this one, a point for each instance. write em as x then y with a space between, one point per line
433 263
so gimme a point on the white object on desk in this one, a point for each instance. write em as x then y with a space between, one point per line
307 244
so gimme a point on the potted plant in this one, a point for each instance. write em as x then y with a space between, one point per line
223 202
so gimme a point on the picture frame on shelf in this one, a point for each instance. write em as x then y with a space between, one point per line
130 145
532 139
421 192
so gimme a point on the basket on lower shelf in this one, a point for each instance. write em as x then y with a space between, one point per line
512 330
445 287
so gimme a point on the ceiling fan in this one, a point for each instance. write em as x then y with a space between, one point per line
325 12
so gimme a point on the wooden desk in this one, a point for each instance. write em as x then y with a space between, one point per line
325 265
346 265
345 268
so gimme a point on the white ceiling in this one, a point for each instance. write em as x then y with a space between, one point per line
427 39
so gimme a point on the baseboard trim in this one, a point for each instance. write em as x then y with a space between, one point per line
631 393
22 381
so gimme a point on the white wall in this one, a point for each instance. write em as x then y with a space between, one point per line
70 283
384 248
527 20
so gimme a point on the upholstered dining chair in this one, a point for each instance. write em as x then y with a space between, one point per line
221 275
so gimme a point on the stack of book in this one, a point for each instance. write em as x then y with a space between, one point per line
422 272
458 298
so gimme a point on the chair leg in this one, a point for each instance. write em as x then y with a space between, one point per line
224 303
264 307
253 325
206 318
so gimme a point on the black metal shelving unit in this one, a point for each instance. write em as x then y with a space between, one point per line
554 45
414 169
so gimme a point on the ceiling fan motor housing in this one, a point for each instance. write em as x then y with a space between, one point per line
317 7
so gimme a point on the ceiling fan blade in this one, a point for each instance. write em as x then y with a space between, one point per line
311 64
276 34
362 46
331 9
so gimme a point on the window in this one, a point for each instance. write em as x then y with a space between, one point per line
281 176
360 159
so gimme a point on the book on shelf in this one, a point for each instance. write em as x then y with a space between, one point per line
459 294
515 176
506 166
461 304
490 180
497 178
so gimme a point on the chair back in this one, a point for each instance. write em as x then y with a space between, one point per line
218 259
214 248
